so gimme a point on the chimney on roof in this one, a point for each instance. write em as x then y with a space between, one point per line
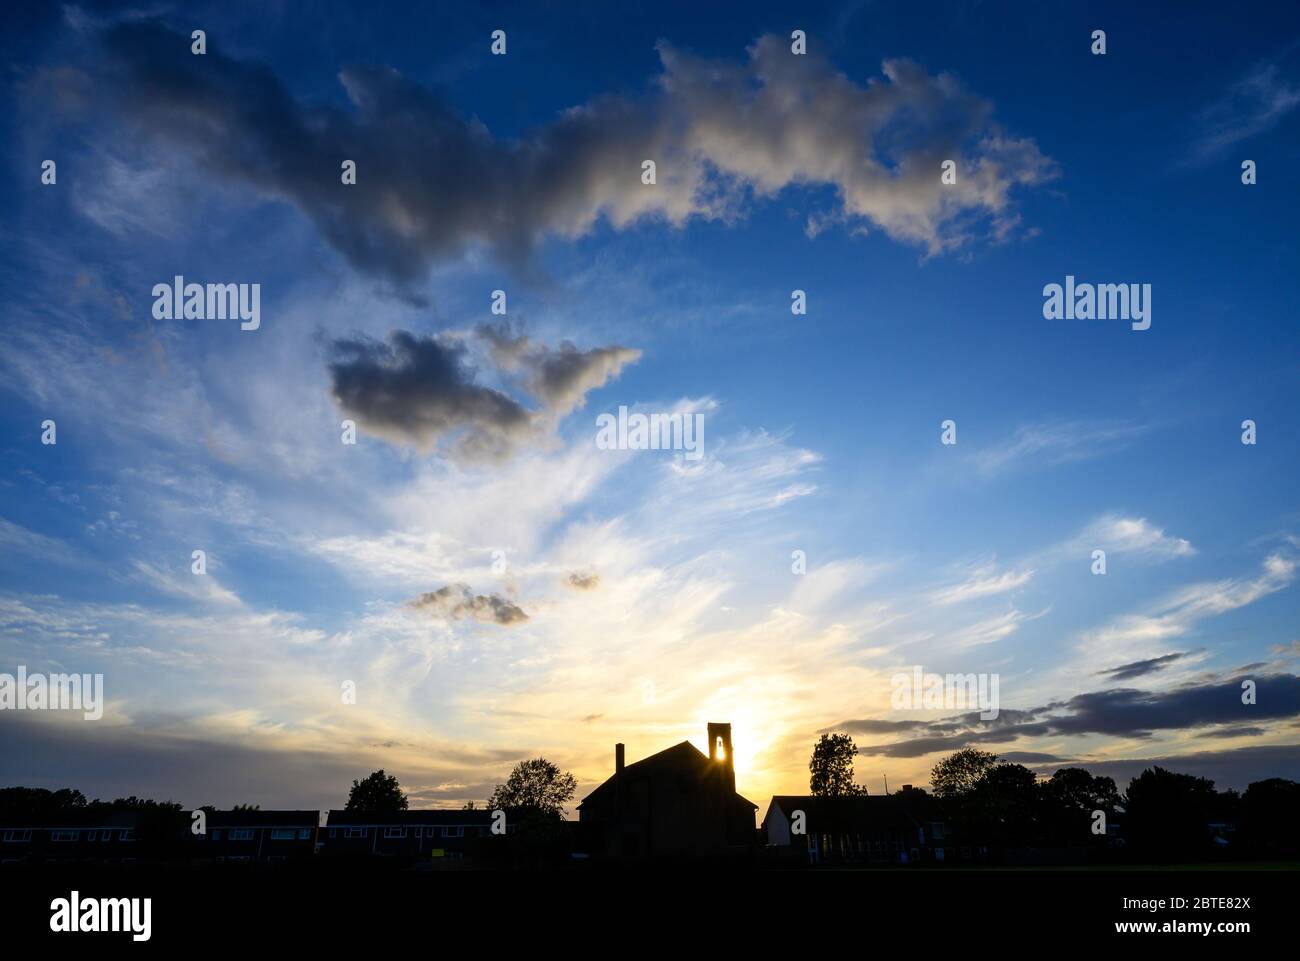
618 758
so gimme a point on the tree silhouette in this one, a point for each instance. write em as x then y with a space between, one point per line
830 770
535 789
1003 805
1069 799
958 774
1268 821
38 801
1073 789
1168 814
379 793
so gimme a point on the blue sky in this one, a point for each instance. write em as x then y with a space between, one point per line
822 431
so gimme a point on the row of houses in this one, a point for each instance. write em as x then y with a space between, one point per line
106 836
678 803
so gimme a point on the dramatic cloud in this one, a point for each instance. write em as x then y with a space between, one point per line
416 390
1151 665
457 602
560 378
1234 768
872 726
193 764
432 184
110 761
780 120
1030 757
1229 732
1127 713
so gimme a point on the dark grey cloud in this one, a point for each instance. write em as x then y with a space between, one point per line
1236 768
457 602
1135 713
433 184
872 726
417 390
1223 733
583 582
946 744
1125 712
110 762
150 758
562 377
1252 666
941 734
1031 757
1126 672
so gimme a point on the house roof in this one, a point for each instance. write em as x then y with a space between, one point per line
409 818
875 810
683 759
264 819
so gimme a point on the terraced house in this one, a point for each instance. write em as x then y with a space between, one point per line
411 834
71 836
255 835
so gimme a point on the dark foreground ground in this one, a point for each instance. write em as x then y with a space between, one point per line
678 911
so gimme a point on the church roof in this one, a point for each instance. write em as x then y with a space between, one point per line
680 760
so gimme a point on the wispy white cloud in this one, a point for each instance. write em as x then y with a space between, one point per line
1117 534
992 629
1145 634
19 541
1055 442
985 581
1255 103
198 587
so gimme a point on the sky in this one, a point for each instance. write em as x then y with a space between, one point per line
493 583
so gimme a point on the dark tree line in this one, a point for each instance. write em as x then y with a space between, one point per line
995 802
1163 815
